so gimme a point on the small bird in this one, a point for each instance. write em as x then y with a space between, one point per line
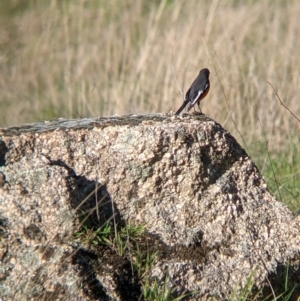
196 92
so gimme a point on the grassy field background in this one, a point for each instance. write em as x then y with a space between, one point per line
85 58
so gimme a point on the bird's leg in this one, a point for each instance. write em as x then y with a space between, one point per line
199 107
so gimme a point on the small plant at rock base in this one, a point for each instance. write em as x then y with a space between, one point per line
142 264
287 294
246 294
132 231
121 244
152 292
125 235
95 236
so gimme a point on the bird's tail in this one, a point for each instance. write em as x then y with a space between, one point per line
181 108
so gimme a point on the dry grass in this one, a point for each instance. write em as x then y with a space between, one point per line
81 58
84 58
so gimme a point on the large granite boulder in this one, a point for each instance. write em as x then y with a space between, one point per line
206 209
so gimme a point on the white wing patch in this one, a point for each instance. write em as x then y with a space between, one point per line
206 87
197 97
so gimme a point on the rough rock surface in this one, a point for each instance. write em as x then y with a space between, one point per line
205 205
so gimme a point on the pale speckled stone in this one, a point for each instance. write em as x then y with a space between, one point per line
180 176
